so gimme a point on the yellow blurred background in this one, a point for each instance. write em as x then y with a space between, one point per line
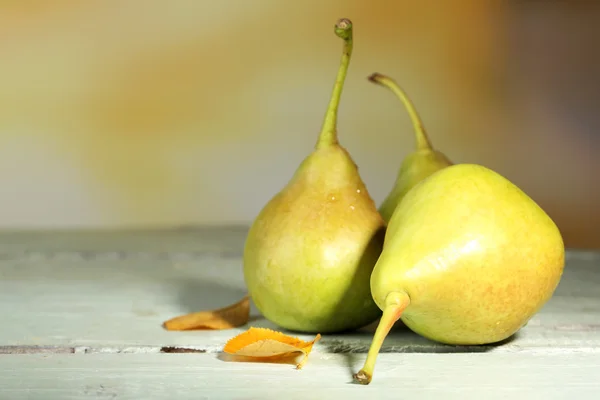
161 113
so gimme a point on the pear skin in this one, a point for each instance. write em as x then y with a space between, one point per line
468 259
310 252
417 165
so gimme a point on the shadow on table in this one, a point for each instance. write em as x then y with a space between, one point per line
198 295
291 359
354 346
201 295
199 299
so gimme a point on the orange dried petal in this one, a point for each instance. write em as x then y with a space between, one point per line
228 317
263 343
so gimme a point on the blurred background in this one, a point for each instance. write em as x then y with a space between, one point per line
147 113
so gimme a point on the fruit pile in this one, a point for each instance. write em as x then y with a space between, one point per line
457 251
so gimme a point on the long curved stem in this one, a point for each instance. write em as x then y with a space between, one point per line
423 142
328 136
395 304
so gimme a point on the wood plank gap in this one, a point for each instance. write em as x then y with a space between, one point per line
98 350
331 348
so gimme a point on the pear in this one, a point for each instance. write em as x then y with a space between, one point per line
417 165
468 259
310 252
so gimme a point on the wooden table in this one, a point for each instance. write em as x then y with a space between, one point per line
82 313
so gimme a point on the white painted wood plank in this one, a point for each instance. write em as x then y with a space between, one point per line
212 239
204 376
111 291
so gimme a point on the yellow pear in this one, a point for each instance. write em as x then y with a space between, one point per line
310 252
468 259
417 165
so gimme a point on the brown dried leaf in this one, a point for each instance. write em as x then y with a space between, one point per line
228 317
263 343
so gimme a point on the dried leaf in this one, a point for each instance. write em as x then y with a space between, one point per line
263 343
224 318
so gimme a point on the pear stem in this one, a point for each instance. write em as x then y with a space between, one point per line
328 136
395 304
423 142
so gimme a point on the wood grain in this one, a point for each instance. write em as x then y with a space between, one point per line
325 376
82 313
110 292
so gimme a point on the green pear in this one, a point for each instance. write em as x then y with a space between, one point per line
468 259
417 165
310 252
